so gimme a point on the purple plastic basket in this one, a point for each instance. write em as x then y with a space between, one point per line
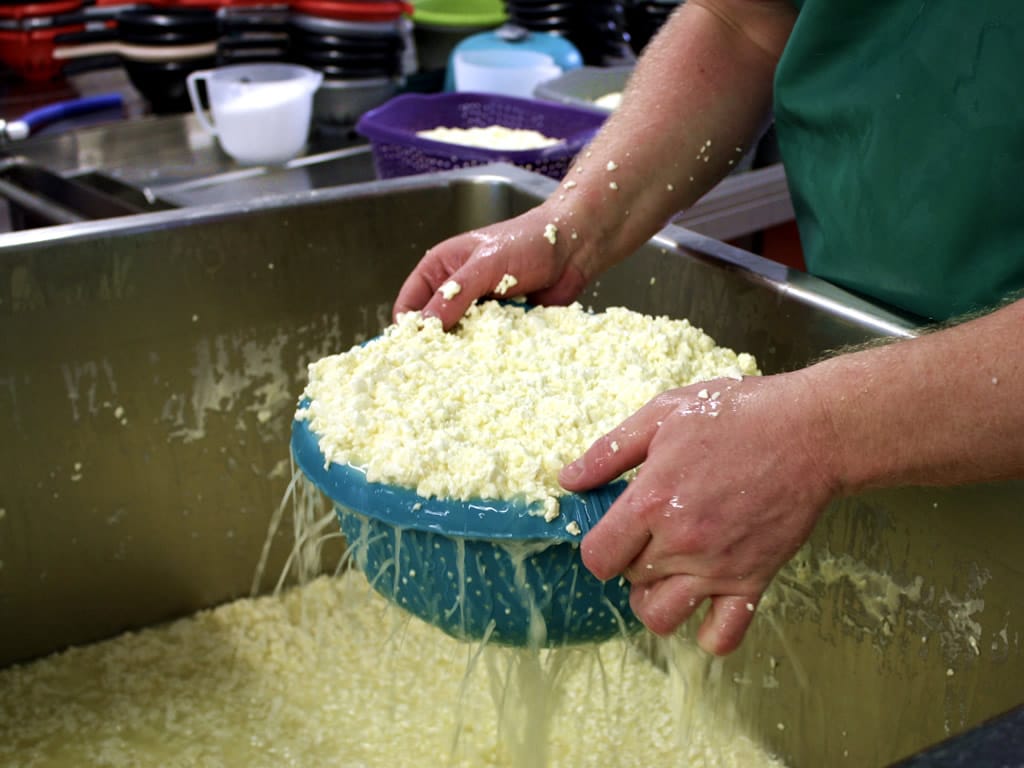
398 151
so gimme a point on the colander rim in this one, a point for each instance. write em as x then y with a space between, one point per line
497 519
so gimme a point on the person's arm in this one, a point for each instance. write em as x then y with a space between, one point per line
698 97
732 485
944 409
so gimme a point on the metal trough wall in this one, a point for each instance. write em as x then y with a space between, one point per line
149 370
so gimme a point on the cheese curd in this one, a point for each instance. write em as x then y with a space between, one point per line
507 283
490 137
496 407
610 101
328 676
450 290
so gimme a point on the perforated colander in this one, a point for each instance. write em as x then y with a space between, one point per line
476 569
398 151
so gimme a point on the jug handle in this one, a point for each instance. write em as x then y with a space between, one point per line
193 96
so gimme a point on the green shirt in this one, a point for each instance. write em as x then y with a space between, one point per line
901 126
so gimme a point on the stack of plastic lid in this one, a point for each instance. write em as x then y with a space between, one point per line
249 30
28 31
364 49
252 32
352 40
596 27
440 25
158 42
645 17
157 47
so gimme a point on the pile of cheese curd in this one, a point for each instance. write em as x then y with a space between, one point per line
491 137
496 407
330 674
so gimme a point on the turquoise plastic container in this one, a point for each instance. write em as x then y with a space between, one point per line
475 569
510 39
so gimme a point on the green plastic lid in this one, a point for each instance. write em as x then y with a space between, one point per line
459 13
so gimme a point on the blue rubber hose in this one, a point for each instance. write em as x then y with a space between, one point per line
62 110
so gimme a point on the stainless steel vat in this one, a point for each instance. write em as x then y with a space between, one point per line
148 374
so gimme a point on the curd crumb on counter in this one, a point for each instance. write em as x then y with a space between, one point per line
496 407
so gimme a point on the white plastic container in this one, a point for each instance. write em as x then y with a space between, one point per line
509 73
260 113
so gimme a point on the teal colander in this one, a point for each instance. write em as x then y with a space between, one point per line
482 569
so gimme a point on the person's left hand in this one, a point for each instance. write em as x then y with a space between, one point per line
734 476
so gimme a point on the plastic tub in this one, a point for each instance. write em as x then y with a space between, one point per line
582 87
510 73
343 102
398 151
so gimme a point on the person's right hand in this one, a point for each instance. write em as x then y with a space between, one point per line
478 260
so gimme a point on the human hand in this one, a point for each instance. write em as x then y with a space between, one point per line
477 261
734 476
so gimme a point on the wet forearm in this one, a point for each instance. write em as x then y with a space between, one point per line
697 100
943 409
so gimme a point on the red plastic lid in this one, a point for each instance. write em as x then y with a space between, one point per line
30 53
209 5
27 10
27 38
353 11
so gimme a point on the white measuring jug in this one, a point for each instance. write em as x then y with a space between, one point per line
260 113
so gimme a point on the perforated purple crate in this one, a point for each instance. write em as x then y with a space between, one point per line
398 151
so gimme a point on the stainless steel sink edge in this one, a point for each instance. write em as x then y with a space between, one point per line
801 286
